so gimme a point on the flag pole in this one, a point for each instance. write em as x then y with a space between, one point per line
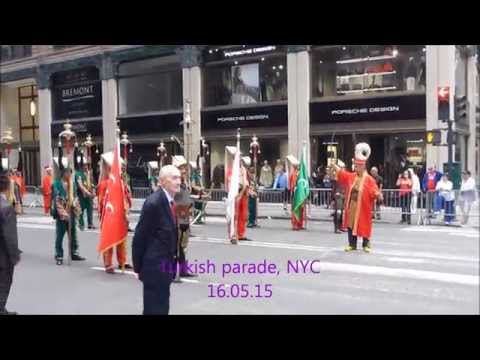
235 223
307 203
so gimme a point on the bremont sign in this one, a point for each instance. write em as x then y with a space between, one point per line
77 94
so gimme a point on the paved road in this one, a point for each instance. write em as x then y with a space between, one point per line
412 270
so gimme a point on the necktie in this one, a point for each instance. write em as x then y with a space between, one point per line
173 209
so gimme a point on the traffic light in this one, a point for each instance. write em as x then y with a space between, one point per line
434 137
443 96
461 108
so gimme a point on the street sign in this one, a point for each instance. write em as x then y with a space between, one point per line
443 94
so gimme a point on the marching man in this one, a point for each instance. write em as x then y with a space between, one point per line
361 191
86 194
298 223
66 209
47 190
120 246
237 202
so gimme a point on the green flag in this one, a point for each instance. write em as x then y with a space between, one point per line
302 188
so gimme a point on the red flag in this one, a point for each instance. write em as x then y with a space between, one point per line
114 227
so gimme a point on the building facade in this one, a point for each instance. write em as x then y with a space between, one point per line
326 97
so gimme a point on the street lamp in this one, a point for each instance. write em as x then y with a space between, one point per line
33 108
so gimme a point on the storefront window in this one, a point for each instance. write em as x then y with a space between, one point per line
28 113
150 85
367 69
12 52
246 82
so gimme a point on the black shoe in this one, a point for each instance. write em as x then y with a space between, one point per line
187 275
249 226
130 230
59 260
77 258
91 227
245 239
126 267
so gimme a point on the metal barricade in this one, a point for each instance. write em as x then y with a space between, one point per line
141 192
450 207
397 206
33 197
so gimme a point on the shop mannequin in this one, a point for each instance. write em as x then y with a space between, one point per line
422 75
410 75
266 176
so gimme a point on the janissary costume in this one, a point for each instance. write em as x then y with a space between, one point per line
47 182
297 224
241 203
121 249
65 209
361 191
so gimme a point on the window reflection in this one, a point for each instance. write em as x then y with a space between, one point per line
366 69
246 82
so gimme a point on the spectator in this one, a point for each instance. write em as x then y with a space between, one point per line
467 195
429 184
445 199
379 181
404 183
415 190
281 184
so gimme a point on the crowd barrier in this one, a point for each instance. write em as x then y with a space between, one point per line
416 208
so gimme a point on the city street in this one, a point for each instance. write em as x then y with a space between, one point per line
412 270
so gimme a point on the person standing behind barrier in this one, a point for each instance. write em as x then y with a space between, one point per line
445 199
429 184
404 183
467 195
415 190
379 181
47 190
281 184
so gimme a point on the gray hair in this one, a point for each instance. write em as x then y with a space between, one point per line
168 170
374 168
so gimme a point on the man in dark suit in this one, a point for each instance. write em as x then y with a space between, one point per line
9 252
155 242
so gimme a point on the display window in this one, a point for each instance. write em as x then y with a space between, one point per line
367 69
246 81
150 85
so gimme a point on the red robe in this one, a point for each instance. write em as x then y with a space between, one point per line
297 224
101 189
366 197
47 193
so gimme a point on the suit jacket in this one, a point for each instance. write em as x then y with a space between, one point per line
9 252
155 239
